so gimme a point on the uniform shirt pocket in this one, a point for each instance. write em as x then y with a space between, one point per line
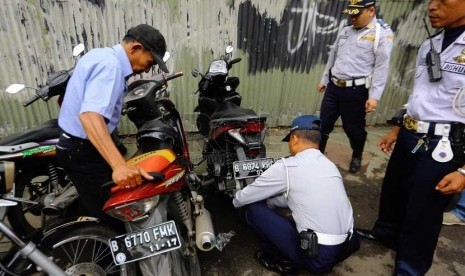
365 50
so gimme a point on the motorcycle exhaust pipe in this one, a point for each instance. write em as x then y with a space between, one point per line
58 204
204 232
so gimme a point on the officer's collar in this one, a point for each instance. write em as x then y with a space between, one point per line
370 25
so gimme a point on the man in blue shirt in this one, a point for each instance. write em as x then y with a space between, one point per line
91 110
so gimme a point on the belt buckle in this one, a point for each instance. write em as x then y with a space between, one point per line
340 83
410 124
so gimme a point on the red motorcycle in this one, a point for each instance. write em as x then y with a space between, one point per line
165 217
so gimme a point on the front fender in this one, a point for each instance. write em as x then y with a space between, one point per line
56 230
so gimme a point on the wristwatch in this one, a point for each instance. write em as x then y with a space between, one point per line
461 171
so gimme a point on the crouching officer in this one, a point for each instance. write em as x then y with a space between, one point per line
427 165
311 186
355 76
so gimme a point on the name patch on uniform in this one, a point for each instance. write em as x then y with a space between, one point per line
454 68
368 37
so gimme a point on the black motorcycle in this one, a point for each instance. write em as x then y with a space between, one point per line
234 137
38 176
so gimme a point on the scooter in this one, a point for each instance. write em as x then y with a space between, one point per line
165 217
39 178
234 137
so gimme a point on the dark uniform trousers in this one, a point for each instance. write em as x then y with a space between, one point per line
278 236
411 210
349 104
88 171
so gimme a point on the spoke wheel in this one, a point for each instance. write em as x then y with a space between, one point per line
86 251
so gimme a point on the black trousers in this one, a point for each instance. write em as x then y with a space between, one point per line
411 210
88 171
278 236
349 104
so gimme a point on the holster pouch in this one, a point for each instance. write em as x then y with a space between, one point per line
457 141
309 243
398 118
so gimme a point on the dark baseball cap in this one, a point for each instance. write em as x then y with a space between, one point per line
152 40
304 122
356 6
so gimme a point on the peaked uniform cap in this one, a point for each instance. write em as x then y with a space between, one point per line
356 6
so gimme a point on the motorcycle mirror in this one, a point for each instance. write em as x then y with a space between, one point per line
195 73
15 88
167 56
229 49
78 49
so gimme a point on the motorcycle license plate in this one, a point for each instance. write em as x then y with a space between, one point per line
251 168
145 243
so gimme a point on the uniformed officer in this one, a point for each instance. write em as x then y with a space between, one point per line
311 187
355 76
426 165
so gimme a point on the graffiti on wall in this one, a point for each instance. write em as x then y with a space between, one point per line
301 39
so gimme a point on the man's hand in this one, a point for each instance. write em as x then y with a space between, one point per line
386 143
320 88
452 183
129 177
370 105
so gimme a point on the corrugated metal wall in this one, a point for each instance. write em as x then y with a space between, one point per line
283 45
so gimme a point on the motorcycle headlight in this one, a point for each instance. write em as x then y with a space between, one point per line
134 211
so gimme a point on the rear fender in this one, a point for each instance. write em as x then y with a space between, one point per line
57 230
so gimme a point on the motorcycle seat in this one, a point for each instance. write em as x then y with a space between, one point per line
235 115
45 131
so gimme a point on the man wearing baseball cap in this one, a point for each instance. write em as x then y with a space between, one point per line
320 234
91 110
355 76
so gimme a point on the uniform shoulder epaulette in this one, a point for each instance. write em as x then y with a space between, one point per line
383 24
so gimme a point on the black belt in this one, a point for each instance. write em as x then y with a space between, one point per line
68 138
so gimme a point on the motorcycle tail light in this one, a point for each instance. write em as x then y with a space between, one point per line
236 134
135 210
253 127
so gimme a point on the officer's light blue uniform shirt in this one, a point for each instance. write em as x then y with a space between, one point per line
97 85
352 56
432 101
317 197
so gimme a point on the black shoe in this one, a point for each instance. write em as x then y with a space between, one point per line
355 164
368 236
282 267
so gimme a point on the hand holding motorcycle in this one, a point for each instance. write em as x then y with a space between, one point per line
129 177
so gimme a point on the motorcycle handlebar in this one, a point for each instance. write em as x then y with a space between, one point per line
236 60
31 100
174 75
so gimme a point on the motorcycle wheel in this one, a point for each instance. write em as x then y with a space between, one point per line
31 184
86 251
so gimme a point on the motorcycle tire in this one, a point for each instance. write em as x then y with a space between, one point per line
86 251
31 184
